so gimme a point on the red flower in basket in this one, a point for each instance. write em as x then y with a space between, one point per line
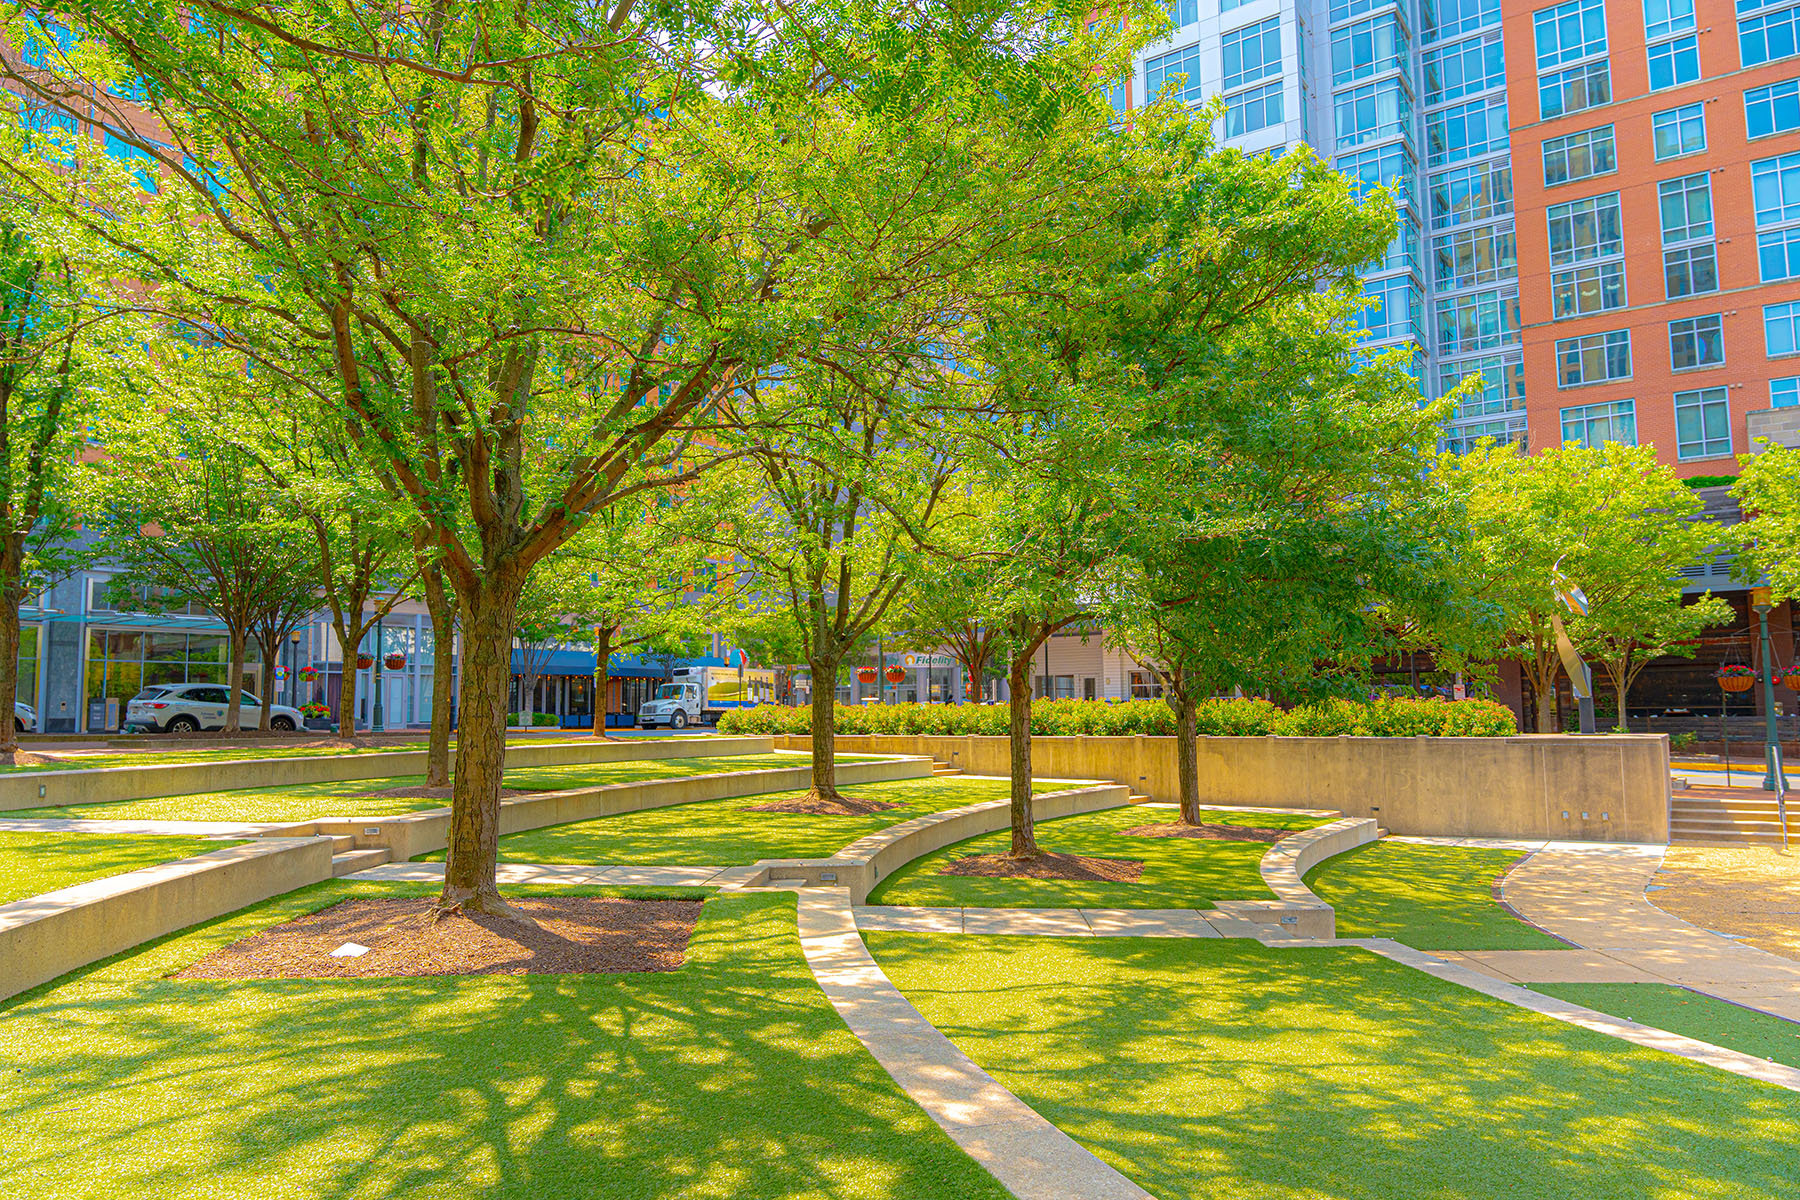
395 661
896 674
364 661
866 674
1790 679
1736 677
309 674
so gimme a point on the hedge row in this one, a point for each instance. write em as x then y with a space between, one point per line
1400 716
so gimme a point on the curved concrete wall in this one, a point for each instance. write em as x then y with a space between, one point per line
1612 788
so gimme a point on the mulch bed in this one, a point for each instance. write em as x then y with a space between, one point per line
849 806
1047 865
1207 831
573 935
419 792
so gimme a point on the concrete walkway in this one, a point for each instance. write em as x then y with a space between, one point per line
1594 897
1031 1158
1064 922
225 829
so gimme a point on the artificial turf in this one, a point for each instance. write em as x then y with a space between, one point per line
34 863
1178 872
1429 897
302 801
1705 1018
1227 1070
725 833
732 1077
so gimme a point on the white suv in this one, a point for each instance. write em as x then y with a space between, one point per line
190 707
24 717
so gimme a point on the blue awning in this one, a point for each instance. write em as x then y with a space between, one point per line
581 662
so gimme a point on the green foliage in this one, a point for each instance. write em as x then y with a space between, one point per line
1401 716
1683 741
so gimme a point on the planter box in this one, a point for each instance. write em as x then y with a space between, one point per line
321 723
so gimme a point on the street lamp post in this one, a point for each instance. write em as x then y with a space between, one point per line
294 668
376 724
1759 601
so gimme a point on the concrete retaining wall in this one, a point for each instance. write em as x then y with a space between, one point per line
45 936
38 788
423 832
1612 788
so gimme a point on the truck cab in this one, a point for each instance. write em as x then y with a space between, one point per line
676 705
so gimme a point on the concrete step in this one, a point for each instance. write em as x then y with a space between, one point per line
940 769
357 860
1136 798
341 842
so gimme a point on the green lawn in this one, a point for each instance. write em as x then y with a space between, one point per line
1429 897
298 802
730 1078
152 756
1678 1010
1178 872
34 863
1228 1070
724 833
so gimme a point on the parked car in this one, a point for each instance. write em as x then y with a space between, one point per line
190 707
24 717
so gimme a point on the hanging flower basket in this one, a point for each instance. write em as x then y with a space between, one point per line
309 674
1735 677
314 712
896 674
1791 680
364 661
395 661
866 674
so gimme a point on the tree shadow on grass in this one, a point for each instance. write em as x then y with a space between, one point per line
731 1077
1227 1069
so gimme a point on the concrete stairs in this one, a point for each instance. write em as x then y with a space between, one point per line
940 770
1737 815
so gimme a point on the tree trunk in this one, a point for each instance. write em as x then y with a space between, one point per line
1187 754
443 684
346 690
268 685
1546 707
1621 685
602 676
824 730
234 681
527 685
474 835
12 590
1024 829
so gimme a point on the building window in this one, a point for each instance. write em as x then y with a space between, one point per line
1503 384
1183 13
1145 685
1679 131
1465 439
1766 37
1471 256
1696 342
1588 289
1251 53
1478 321
1773 109
1596 424
1674 62
1702 424
1394 311
1585 229
1686 208
1784 393
1164 67
1476 65
1440 19
1569 32
1778 254
1664 17
1775 186
1255 109
1579 156
1690 271
1575 89
1781 329
1596 358
1372 111
1392 166
1471 194
1465 131
1403 251
1367 48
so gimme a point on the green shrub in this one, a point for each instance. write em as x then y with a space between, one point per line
1683 741
1397 716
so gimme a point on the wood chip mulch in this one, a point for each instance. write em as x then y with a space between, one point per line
1047 865
420 792
573 935
1208 832
849 806
1750 891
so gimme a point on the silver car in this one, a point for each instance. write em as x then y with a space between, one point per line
24 717
191 707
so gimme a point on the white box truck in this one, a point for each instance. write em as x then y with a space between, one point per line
698 695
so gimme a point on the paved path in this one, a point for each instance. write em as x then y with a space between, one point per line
527 873
181 828
1594 896
1031 1158
1064 922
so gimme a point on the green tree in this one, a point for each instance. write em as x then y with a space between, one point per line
543 242
1620 525
1768 488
